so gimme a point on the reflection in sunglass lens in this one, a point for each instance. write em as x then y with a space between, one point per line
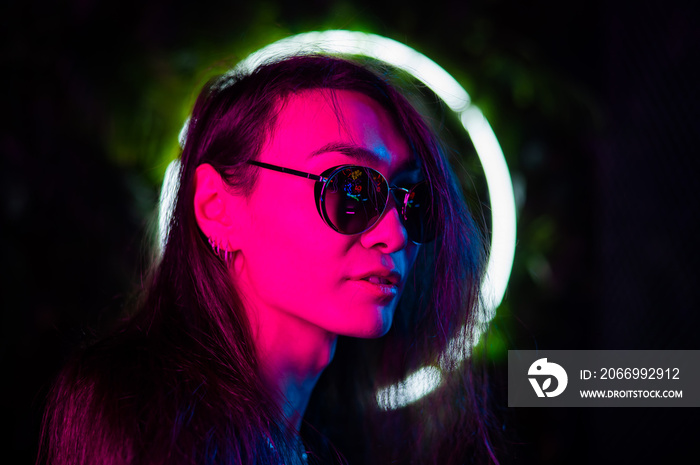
354 198
418 216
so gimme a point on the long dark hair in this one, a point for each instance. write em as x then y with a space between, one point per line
179 380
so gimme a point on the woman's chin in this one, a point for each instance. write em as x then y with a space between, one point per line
374 325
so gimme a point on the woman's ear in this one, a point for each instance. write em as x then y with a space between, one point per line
218 212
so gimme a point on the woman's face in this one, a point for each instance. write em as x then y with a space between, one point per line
294 267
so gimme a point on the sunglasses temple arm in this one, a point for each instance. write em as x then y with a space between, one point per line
291 171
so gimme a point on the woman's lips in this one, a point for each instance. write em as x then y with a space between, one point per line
378 280
377 286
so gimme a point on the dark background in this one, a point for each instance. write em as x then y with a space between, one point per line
595 104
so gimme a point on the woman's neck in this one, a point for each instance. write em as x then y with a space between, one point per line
293 354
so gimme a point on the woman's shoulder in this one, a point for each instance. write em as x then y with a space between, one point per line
115 364
156 397
110 399
114 373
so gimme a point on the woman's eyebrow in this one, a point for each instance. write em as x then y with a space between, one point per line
361 154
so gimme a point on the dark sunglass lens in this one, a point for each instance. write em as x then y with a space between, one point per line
354 198
419 217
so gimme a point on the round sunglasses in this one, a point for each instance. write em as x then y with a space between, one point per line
351 199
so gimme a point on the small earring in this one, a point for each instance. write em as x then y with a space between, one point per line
217 248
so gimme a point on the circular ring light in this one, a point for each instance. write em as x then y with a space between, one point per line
488 149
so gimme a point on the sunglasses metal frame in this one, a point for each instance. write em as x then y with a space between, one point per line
325 180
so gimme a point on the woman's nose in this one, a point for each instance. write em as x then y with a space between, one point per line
389 233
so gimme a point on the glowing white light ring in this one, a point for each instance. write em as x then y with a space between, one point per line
417 385
457 99
488 149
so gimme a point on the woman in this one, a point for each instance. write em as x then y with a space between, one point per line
316 221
